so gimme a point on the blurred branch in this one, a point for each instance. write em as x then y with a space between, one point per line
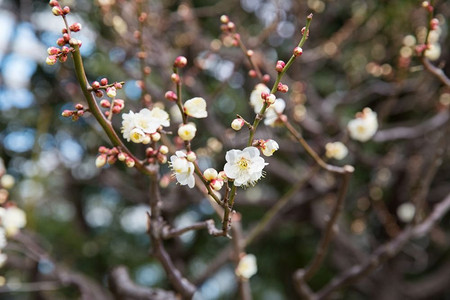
168 232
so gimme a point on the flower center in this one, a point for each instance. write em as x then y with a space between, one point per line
243 163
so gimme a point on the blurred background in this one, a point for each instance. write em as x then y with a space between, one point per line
359 53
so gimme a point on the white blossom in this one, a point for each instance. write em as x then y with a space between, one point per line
237 124
273 111
135 126
245 167
336 150
364 126
210 174
187 131
196 107
268 147
7 181
161 115
247 266
255 97
183 169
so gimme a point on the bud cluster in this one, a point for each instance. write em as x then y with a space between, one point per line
74 114
268 98
158 155
228 28
57 10
283 88
110 156
55 54
214 178
110 89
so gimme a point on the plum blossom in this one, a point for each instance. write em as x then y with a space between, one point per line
183 169
196 107
268 147
364 126
244 166
136 126
187 131
255 97
247 266
336 150
273 111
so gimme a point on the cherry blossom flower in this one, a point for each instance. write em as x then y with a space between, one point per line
245 167
247 266
364 126
336 150
196 107
183 169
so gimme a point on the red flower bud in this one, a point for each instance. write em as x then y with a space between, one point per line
117 85
75 27
171 96
66 10
266 78
95 85
105 103
252 73
298 51
116 109
67 113
79 106
282 88
104 81
180 62
98 93
280 66
53 3
57 11
60 42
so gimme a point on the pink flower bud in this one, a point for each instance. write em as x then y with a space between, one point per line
116 109
64 30
80 113
119 102
282 88
106 113
271 99
280 66
117 85
231 26
216 184
105 103
171 96
60 42
224 19
266 78
66 10
161 158
53 3
250 53
57 11
63 58
66 37
104 81
65 49
252 73
95 85
264 95
79 106
51 60
298 51
67 113
102 149
100 161
149 152
112 159
303 32
180 62
434 24
175 78
53 51
75 27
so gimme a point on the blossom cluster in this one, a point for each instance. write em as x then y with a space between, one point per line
142 127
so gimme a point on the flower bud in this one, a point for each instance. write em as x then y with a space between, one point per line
282 88
191 156
119 102
252 73
171 96
57 11
250 53
224 19
116 109
104 81
7 181
298 51
266 78
223 176
66 10
80 113
98 93
122 156
60 42
162 159
146 140
216 184
63 58
51 60
67 113
129 162
53 51
53 3
231 26
156 136
180 62
100 161
79 106
65 49
95 85
175 78
270 99
103 149
163 149
210 174
75 27
111 92
237 124
117 85
187 132
280 66
264 95
105 103
66 37
112 159
434 24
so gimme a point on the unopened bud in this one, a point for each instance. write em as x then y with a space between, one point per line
216 184
156 136
104 81
271 99
231 26
163 149
60 42
129 162
75 27
80 113
66 37
65 49
100 161
98 93
280 66
117 85
66 10
57 11
237 124
434 24
116 109
122 156
224 19
180 62
266 78
53 51
175 78
51 60
53 3
298 51
264 95
67 113
63 58
210 174
149 152
171 96
105 103
161 158
282 88
222 176
95 85
191 156
250 53
147 140
112 159
111 92
252 73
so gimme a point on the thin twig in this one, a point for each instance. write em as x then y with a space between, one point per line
168 232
